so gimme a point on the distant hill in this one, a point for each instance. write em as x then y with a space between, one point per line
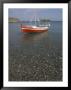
12 20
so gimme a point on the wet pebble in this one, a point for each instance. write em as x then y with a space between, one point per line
19 65
60 57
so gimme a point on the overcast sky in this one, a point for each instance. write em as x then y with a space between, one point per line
29 14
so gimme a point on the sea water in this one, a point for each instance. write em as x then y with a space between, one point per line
35 56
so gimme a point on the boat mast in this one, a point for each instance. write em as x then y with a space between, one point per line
35 20
35 17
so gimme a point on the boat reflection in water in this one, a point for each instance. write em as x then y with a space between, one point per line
34 37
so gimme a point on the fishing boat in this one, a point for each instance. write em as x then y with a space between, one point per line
31 29
34 28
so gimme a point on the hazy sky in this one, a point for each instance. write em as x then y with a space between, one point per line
29 14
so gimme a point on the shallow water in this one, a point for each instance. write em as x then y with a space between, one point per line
35 57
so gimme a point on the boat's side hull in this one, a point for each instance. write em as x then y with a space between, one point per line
33 30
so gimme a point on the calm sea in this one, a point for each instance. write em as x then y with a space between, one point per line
35 57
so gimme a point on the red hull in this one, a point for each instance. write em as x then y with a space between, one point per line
31 29
28 30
